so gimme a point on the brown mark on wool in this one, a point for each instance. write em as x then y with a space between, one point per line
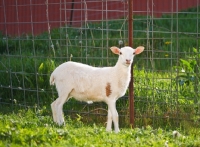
108 90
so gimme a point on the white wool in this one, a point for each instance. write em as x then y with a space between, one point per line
93 84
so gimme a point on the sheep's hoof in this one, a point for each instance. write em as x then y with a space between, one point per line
117 131
89 102
108 130
60 123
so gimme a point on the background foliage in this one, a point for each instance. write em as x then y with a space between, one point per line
166 74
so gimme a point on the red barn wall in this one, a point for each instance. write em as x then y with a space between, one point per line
19 17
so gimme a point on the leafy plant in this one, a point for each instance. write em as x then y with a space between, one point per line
190 68
44 71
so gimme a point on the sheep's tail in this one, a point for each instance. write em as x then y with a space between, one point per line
52 79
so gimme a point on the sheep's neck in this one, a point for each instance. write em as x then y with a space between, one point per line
122 68
123 75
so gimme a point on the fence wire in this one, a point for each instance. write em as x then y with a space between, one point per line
37 36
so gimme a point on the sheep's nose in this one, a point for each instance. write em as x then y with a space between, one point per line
128 61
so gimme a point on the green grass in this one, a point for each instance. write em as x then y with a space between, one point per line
28 128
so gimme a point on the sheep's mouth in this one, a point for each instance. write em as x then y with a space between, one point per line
127 63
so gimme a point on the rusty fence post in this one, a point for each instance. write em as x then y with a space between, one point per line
130 42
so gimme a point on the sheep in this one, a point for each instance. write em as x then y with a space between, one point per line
94 84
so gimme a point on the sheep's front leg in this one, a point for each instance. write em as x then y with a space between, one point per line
109 121
114 113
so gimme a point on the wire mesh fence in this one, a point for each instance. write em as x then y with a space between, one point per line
37 36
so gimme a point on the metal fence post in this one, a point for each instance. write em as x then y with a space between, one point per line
130 42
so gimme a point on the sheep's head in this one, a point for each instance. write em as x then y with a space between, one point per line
126 54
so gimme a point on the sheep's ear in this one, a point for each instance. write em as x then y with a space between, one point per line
115 50
139 49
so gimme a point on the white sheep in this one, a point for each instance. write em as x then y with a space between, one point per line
87 83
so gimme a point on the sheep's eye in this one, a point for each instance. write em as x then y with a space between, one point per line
134 53
120 53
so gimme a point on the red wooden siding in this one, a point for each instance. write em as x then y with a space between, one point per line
29 16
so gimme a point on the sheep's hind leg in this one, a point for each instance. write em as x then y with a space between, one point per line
53 110
57 110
